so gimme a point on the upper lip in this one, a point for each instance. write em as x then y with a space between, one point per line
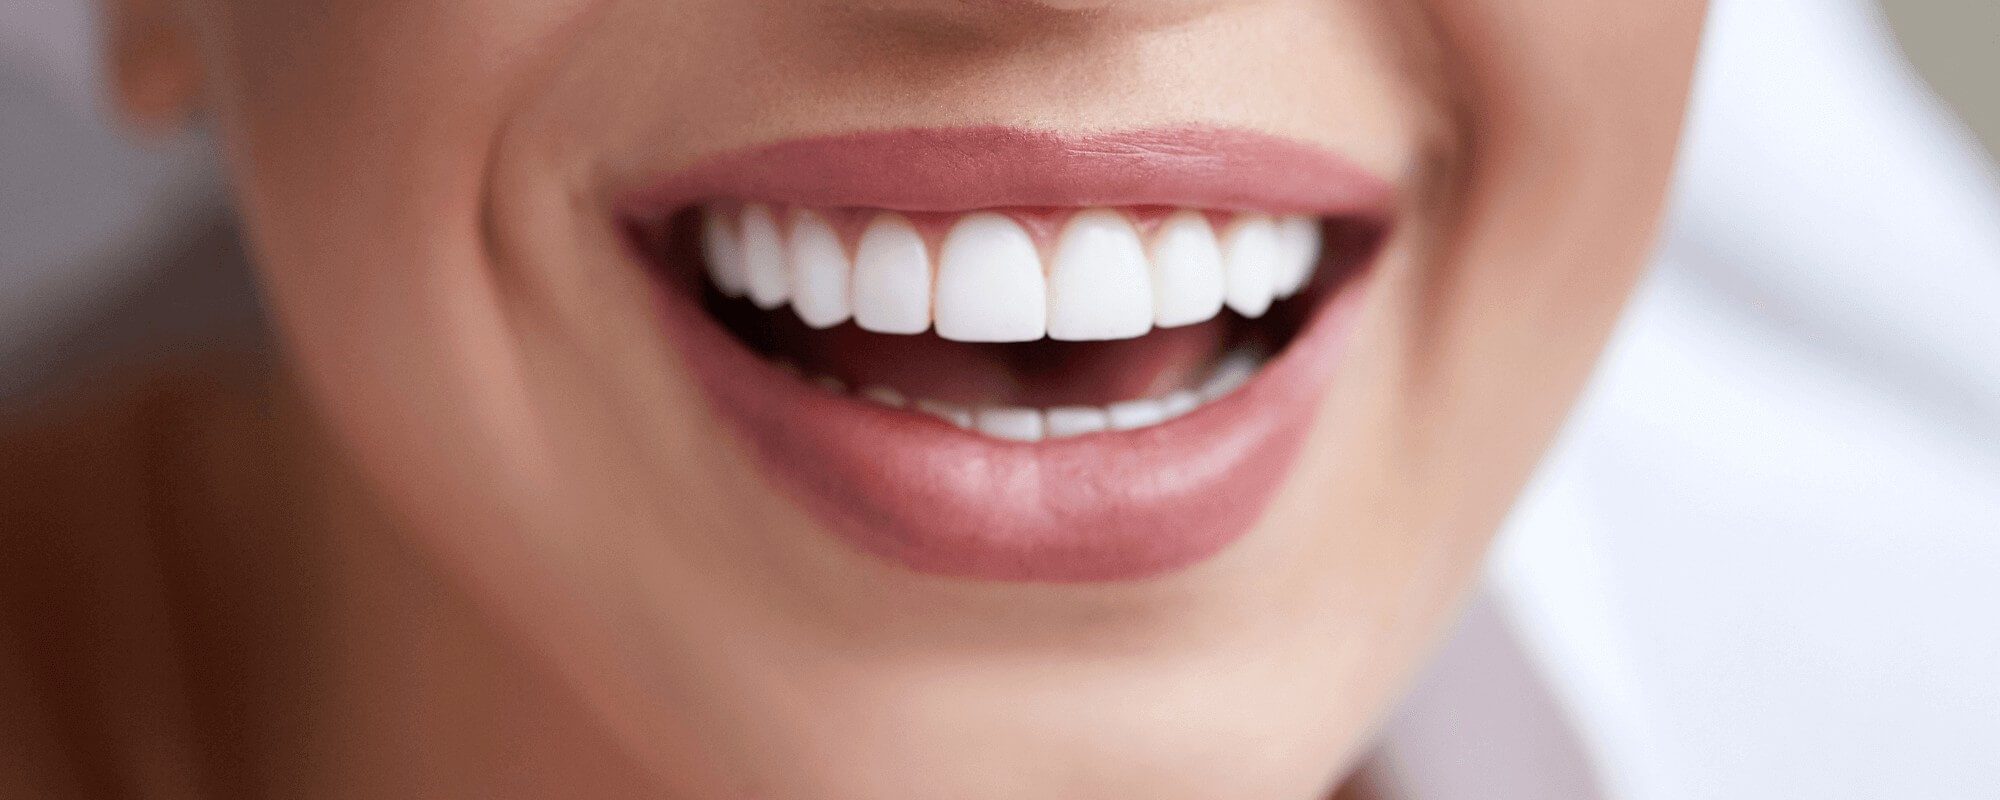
958 169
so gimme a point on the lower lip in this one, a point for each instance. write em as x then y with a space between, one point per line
942 500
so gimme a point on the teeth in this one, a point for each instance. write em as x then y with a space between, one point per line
1249 263
819 272
1187 271
1235 370
892 278
989 285
1099 286
1180 403
1076 421
886 396
764 258
1013 424
949 412
724 253
1298 249
1136 414
1020 424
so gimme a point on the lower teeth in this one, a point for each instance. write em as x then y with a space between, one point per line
1015 423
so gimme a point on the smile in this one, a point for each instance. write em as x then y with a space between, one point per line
1012 355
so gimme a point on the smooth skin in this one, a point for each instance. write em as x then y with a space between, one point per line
476 534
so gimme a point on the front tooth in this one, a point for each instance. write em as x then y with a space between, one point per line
892 278
1098 282
1250 261
1298 247
819 272
764 258
1187 271
989 285
723 250
1076 421
1136 414
1014 424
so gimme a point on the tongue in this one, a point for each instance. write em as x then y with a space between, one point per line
1037 374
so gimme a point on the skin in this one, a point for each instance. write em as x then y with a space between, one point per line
520 558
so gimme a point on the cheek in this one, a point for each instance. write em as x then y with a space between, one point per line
1570 114
358 132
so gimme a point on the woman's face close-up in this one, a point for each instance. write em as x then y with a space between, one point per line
947 398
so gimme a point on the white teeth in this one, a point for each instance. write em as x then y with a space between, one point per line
1235 370
892 278
1021 424
989 285
1013 424
1076 421
724 252
1136 414
764 258
886 396
819 272
949 412
1187 271
1298 249
1249 263
1180 403
1099 286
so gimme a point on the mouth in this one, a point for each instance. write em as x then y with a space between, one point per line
1000 354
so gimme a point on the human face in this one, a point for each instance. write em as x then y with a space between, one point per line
481 229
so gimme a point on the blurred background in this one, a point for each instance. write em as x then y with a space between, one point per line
1762 561
1956 45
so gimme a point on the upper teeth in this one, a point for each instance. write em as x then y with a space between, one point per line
987 282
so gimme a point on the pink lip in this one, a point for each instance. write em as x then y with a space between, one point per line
959 169
941 500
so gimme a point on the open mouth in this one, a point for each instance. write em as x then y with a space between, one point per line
982 387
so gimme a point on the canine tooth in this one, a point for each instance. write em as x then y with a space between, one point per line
949 412
989 285
1180 403
1187 271
819 272
885 395
1298 254
892 278
1014 424
764 258
1136 414
723 250
1099 286
1235 370
1249 259
1075 421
